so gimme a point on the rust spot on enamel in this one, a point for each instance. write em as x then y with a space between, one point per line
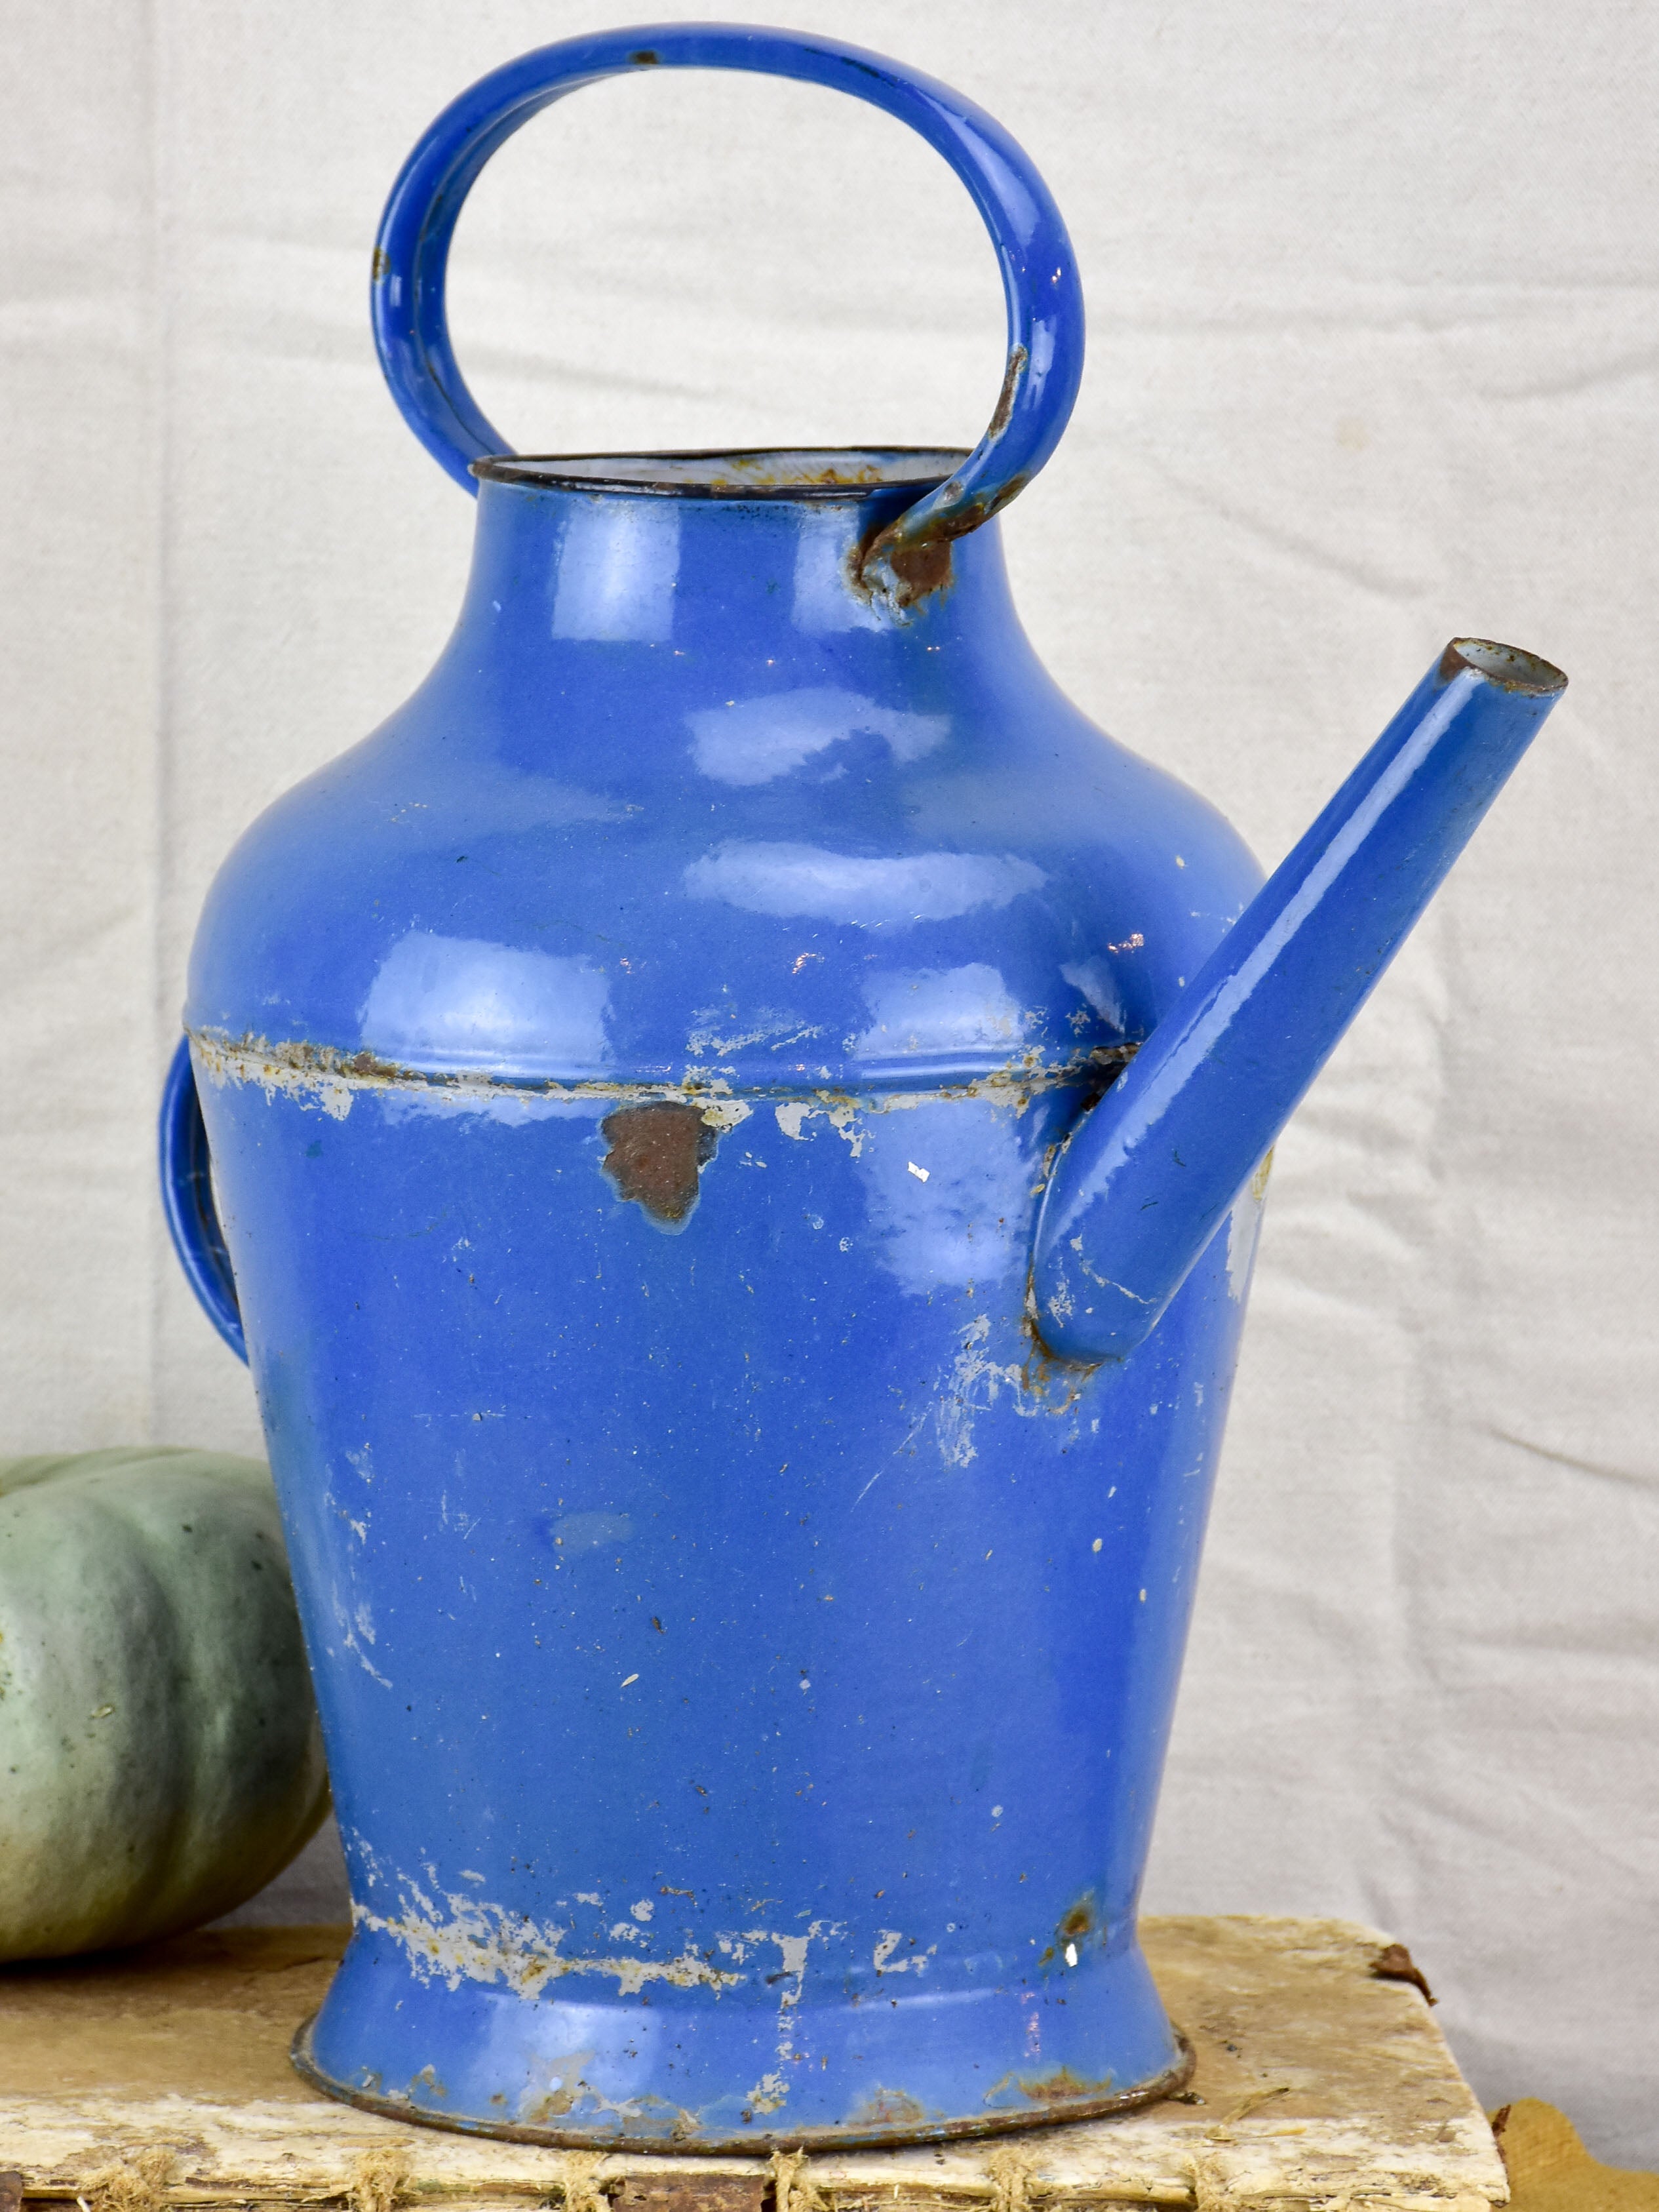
886 2108
921 570
1004 406
370 1068
1079 1921
1061 2088
1045 1377
657 1154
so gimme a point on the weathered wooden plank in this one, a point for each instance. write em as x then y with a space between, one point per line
160 2079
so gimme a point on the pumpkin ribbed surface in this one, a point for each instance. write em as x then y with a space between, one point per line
160 1755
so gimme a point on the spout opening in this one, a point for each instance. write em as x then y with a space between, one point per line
1506 666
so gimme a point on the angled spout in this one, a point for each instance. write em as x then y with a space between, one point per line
1148 1176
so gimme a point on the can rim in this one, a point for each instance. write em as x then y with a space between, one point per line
848 474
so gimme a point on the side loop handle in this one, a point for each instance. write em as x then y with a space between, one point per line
187 1201
1039 273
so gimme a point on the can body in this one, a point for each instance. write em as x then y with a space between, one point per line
630 1078
746 1665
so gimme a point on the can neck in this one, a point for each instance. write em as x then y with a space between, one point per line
558 569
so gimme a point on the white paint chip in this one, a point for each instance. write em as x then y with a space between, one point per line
996 1812
921 1174
1096 1546
1070 1955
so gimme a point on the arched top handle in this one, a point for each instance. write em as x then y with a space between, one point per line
1039 274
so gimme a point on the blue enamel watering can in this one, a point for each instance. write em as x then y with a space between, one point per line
738 1120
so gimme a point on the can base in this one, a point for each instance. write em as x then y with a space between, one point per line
757 2142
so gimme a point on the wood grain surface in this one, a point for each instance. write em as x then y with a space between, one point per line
160 2077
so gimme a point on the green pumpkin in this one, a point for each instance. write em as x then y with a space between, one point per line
159 1756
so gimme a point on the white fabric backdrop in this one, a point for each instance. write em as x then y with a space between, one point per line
1374 299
